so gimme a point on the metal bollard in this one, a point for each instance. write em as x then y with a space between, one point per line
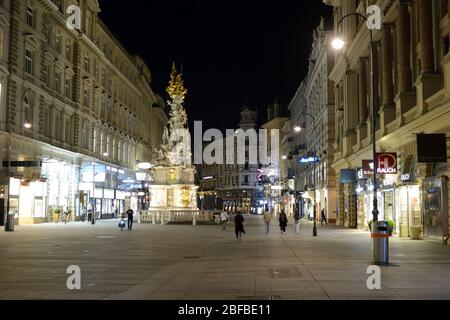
380 243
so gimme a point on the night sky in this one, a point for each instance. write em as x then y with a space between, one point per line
234 53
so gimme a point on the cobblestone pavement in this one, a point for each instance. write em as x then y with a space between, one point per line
185 262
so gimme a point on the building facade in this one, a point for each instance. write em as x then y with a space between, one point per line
318 123
411 80
234 187
276 171
76 101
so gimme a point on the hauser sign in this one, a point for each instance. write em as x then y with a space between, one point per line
386 163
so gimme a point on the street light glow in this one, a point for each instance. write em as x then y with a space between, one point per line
144 165
338 43
298 129
27 125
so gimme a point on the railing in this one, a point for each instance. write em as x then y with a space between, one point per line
164 217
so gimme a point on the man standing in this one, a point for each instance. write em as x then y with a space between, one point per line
130 215
267 219
224 220
239 226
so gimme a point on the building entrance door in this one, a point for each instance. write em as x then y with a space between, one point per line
435 209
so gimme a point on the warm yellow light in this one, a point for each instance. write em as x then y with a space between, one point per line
338 43
297 129
27 125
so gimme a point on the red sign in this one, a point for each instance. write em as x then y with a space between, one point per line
386 163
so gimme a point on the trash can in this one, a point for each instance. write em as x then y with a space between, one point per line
9 225
380 243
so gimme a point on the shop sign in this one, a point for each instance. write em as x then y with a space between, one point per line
432 148
386 163
405 177
308 159
367 167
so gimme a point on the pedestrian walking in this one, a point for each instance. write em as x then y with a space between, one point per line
267 219
130 215
323 217
283 221
239 226
297 219
90 212
224 220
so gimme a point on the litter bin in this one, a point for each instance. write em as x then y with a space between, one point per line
380 243
9 225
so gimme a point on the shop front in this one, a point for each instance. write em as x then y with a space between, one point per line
105 189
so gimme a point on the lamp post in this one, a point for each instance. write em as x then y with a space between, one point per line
338 44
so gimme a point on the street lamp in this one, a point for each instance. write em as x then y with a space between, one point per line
338 44
298 129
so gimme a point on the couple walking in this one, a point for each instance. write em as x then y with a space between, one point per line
238 224
283 221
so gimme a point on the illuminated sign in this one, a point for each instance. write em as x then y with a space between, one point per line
308 159
405 177
386 163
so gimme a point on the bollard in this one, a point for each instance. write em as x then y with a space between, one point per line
153 218
194 219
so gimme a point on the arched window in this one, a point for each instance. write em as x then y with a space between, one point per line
85 135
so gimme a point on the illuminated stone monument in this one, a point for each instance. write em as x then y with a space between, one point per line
173 185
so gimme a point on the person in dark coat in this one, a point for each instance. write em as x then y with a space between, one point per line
239 226
323 217
130 215
283 221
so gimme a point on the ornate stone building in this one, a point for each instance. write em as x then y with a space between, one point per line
412 95
312 110
78 102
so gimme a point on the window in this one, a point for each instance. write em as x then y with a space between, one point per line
85 135
57 82
67 88
86 98
67 131
58 41
68 50
86 63
57 126
103 108
47 122
30 15
29 56
46 75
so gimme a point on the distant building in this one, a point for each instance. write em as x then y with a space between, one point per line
233 187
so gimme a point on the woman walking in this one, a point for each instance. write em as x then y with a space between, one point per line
239 226
283 221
